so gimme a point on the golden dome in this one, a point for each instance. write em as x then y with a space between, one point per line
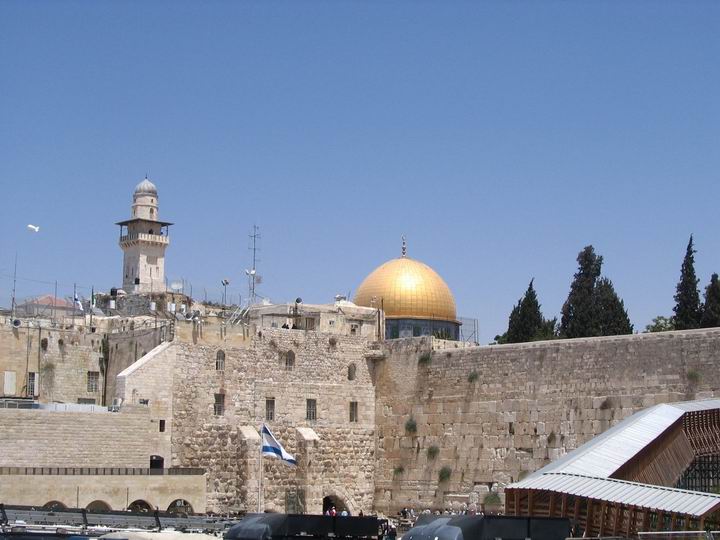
407 289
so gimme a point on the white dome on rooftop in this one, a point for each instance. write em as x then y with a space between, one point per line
146 186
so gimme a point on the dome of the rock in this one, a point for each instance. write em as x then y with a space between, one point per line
415 299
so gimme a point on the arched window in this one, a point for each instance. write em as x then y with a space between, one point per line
152 212
289 360
180 506
351 372
98 506
220 361
54 505
140 506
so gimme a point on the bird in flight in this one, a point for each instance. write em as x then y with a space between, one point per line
34 228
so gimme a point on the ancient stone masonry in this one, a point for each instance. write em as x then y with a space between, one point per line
73 363
490 415
46 438
216 406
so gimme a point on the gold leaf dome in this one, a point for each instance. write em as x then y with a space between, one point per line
407 289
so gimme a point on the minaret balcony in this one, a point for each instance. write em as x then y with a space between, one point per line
135 238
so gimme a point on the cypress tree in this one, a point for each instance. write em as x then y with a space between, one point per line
525 320
612 317
687 298
579 313
711 307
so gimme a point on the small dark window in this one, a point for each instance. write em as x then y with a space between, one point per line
289 360
145 402
311 410
220 361
86 401
353 411
44 344
352 372
162 426
219 407
93 379
270 408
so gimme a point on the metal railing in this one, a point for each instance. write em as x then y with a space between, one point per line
100 471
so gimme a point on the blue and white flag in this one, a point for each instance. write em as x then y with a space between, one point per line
271 447
78 303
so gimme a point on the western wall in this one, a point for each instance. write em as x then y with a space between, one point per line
496 413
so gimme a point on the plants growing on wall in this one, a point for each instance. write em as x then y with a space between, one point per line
410 426
444 474
433 451
424 359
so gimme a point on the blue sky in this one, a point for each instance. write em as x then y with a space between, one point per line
499 137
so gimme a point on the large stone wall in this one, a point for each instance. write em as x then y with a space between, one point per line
339 463
495 413
46 438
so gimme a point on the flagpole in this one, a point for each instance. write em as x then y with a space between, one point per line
74 298
260 481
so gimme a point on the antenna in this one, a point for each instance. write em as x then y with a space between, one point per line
252 273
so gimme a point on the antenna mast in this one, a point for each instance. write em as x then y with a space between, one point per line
252 273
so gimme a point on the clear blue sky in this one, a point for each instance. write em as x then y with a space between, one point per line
500 137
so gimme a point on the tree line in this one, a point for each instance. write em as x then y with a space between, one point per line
593 308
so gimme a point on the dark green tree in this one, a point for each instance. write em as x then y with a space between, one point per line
711 308
525 318
579 313
526 322
612 317
687 298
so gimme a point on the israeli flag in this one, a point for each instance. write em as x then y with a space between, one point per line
271 447
78 303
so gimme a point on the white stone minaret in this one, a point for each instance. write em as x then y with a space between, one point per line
143 239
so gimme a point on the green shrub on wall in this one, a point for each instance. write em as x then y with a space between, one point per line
474 376
410 425
425 359
444 474
432 452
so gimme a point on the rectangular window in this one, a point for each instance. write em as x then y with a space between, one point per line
86 401
219 404
93 378
270 408
162 426
32 390
353 411
311 410
354 329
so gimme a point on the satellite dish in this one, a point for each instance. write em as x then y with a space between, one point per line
298 300
16 323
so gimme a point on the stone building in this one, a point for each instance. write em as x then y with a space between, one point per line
144 239
341 317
